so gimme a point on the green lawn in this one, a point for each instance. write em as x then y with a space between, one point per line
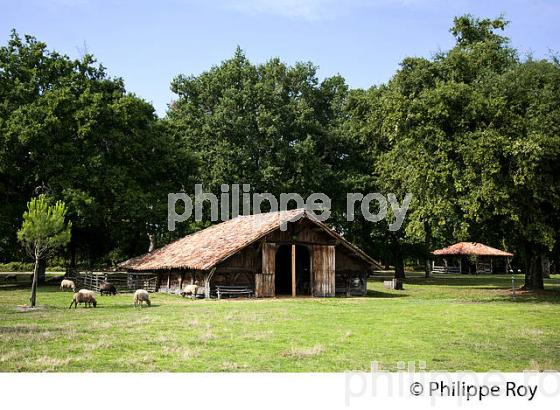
450 322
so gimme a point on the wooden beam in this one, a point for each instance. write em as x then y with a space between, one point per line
207 280
288 242
293 271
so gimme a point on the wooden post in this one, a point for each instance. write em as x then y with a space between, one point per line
293 271
207 283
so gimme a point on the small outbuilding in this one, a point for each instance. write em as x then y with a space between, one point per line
469 257
304 258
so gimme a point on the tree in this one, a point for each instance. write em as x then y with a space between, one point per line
266 125
512 167
43 232
69 130
429 112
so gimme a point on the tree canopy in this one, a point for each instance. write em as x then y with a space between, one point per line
69 130
472 132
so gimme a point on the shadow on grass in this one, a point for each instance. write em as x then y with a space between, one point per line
540 296
113 307
498 280
384 295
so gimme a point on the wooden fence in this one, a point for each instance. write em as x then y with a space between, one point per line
484 267
123 281
445 268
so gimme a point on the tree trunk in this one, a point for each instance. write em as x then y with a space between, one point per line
533 271
33 298
545 260
398 261
42 274
152 246
72 255
528 265
428 249
538 282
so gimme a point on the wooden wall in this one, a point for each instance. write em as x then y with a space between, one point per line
334 268
351 273
301 233
264 281
323 269
175 280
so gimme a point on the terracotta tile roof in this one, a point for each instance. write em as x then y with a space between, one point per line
208 247
471 248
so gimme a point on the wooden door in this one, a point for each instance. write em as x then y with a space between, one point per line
264 281
323 267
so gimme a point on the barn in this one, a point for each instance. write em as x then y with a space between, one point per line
304 258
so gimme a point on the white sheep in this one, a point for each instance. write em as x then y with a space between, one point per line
68 284
87 297
141 296
190 290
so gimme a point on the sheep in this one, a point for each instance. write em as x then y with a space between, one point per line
107 288
84 296
68 284
141 296
190 290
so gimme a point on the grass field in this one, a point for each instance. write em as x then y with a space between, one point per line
450 322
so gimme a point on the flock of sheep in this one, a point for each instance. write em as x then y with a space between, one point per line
87 297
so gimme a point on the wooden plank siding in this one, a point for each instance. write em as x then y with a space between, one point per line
332 268
323 267
264 281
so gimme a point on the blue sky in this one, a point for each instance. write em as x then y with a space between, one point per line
148 43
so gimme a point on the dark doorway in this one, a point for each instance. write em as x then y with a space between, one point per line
283 270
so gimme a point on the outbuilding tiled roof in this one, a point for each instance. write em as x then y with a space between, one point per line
208 247
470 248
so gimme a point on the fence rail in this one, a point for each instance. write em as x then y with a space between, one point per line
123 281
483 267
445 269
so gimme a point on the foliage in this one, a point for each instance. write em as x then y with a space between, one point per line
270 125
44 229
70 131
472 133
16 267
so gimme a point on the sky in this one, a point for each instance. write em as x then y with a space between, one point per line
148 43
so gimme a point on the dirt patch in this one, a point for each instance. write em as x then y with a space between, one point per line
18 329
232 366
301 353
25 309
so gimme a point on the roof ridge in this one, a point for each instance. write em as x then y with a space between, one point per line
210 246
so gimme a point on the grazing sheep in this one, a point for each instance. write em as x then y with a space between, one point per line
190 290
84 296
68 284
141 296
107 288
